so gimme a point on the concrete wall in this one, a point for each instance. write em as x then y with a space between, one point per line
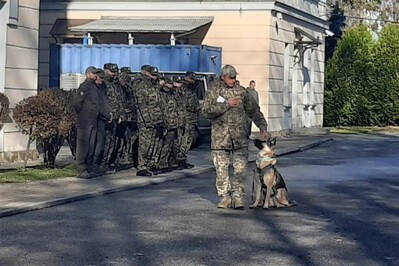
21 65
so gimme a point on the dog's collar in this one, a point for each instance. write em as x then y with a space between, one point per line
266 158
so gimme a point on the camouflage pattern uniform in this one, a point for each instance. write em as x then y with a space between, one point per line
191 117
130 150
115 99
169 108
149 118
180 96
229 133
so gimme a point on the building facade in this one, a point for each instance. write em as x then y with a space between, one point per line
19 61
279 44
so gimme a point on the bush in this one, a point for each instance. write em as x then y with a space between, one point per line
4 110
46 118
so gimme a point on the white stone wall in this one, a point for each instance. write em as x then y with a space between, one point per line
21 66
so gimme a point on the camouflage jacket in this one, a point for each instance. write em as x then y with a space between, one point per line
180 97
229 130
192 106
148 102
116 98
169 108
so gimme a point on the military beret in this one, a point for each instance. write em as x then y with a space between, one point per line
126 69
190 74
111 67
146 68
92 69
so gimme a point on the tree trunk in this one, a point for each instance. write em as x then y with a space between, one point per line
27 151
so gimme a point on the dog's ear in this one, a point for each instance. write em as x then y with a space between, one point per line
273 141
258 144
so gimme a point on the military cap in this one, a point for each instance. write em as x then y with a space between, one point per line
101 73
126 69
168 80
154 71
111 67
177 79
190 74
229 70
146 68
91 69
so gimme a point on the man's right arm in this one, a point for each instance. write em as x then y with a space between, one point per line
214 104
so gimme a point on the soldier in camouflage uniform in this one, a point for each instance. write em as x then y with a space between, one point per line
149 118
180 96
227 105
116 101
130 149
191 119
169 107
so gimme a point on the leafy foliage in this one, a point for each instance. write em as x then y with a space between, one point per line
4 110
362 87
46 118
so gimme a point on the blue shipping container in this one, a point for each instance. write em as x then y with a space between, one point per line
75 58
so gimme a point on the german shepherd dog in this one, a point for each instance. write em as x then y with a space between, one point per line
267 180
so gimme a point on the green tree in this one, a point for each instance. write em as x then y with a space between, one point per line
347 76
386 76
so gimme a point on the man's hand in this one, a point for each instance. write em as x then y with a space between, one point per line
233 101
264 133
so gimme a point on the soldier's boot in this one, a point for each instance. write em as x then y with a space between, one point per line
83 175
237 203
225 202
143 173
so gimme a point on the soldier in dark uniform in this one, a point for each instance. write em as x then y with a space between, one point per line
87 107
149 117
101 122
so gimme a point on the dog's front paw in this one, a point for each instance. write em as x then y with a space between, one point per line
265 206
253 206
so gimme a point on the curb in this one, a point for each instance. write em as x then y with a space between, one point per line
151 181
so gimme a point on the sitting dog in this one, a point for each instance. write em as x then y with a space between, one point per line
268 179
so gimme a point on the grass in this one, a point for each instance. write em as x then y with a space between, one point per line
36 174
363 130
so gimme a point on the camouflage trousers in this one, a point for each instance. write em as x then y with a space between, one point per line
131 150
221 160
109 144
185 140
167 148
150 145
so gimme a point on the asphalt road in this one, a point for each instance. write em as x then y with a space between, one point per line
348 214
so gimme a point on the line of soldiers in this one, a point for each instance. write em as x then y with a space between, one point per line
145 120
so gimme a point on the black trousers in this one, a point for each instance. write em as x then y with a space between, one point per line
100 142
86 140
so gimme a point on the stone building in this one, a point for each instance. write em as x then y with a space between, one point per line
277 43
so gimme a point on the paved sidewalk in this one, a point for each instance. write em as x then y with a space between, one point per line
23 197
